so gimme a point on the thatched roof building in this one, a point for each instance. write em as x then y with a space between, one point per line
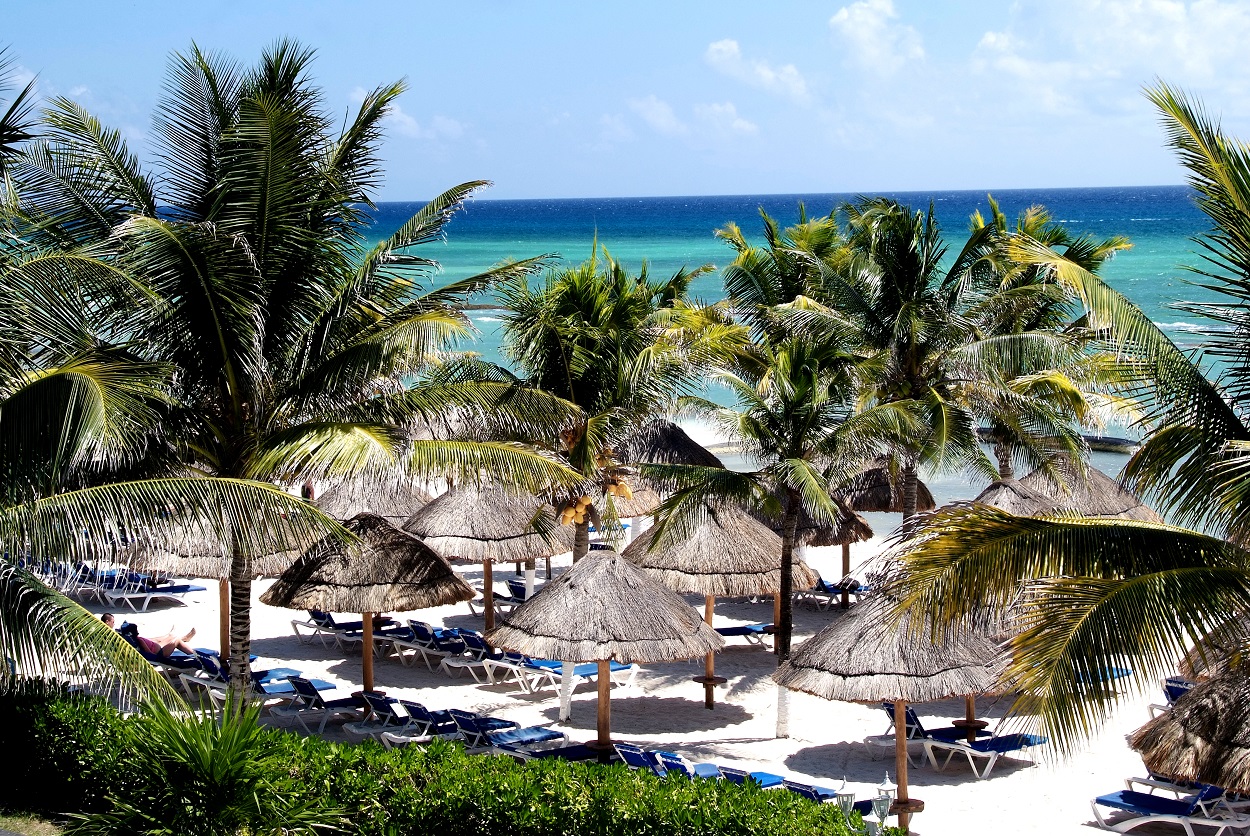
877 489
1205 737
663 442
392 498
848 528
194 555
861 657
393 571
606 608
1092 494
1012 496
727 554
489 524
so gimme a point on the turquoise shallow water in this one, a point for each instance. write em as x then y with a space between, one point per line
672 232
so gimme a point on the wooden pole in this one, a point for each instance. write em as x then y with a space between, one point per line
367 651
846 570
223 615
488 590
604 723
900 759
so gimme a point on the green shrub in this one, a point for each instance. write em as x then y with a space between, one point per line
165 775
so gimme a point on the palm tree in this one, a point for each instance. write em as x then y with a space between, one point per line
292 343
16 124
796 417
620 347
1096 594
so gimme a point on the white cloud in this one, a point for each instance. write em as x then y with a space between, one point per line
659 115
873 39
726 57
405 124
724 119
612 129
79 91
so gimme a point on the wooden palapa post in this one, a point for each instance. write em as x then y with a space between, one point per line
709 679
223 615
367 651
903 807
970 723
603 724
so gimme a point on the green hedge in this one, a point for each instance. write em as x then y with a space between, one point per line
82 760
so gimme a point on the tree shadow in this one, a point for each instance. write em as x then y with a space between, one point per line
643 715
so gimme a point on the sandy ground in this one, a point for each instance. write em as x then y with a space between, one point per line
666 708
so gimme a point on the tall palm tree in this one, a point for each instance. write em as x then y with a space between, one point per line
618 346
796 417
16 122
292 342
1096 594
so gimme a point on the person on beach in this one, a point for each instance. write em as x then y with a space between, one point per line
163 645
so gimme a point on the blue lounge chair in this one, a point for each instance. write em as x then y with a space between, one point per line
674 764
765 780
753 633
308 701
572 752
1206 807
480 731
824 594
917 731
635 757
427 642
392 715
131 588
1174 687
989 750
477 655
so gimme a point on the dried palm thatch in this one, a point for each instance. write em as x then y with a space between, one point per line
1205 737
606 608
663 442
1091 493
196 556
877 488
729 554
393 571
863 657
489 524
392 498
1223 647
1014 497
644 502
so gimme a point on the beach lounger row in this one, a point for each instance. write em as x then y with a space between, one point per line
504 604
402 722
756 634
1190 805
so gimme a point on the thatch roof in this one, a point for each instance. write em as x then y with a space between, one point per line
728 554
1205 737
394 499
394 571
1092 494
1012 496
874 489
861 657
606 608
644 503
489 523
663 442
197 556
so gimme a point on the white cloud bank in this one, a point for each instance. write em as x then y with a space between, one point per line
726 57
873 38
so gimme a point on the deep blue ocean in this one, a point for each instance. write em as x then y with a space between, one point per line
671 232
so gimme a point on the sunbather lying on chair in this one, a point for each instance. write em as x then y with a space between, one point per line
163 645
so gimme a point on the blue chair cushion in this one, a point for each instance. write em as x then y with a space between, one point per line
519 737
1146 804
1007 743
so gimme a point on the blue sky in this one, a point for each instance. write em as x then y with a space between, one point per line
571 99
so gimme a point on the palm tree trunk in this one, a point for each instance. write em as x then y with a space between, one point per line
1003 450
581 540
909 489
240 664
784 627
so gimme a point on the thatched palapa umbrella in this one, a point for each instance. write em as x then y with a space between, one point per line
195 555
1205 736
729 554
488 525
663 442
876 489
394 499
602 609
392 571
1014 497
863 657
848 528
1092 493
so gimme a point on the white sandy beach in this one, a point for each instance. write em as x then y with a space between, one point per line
665 707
